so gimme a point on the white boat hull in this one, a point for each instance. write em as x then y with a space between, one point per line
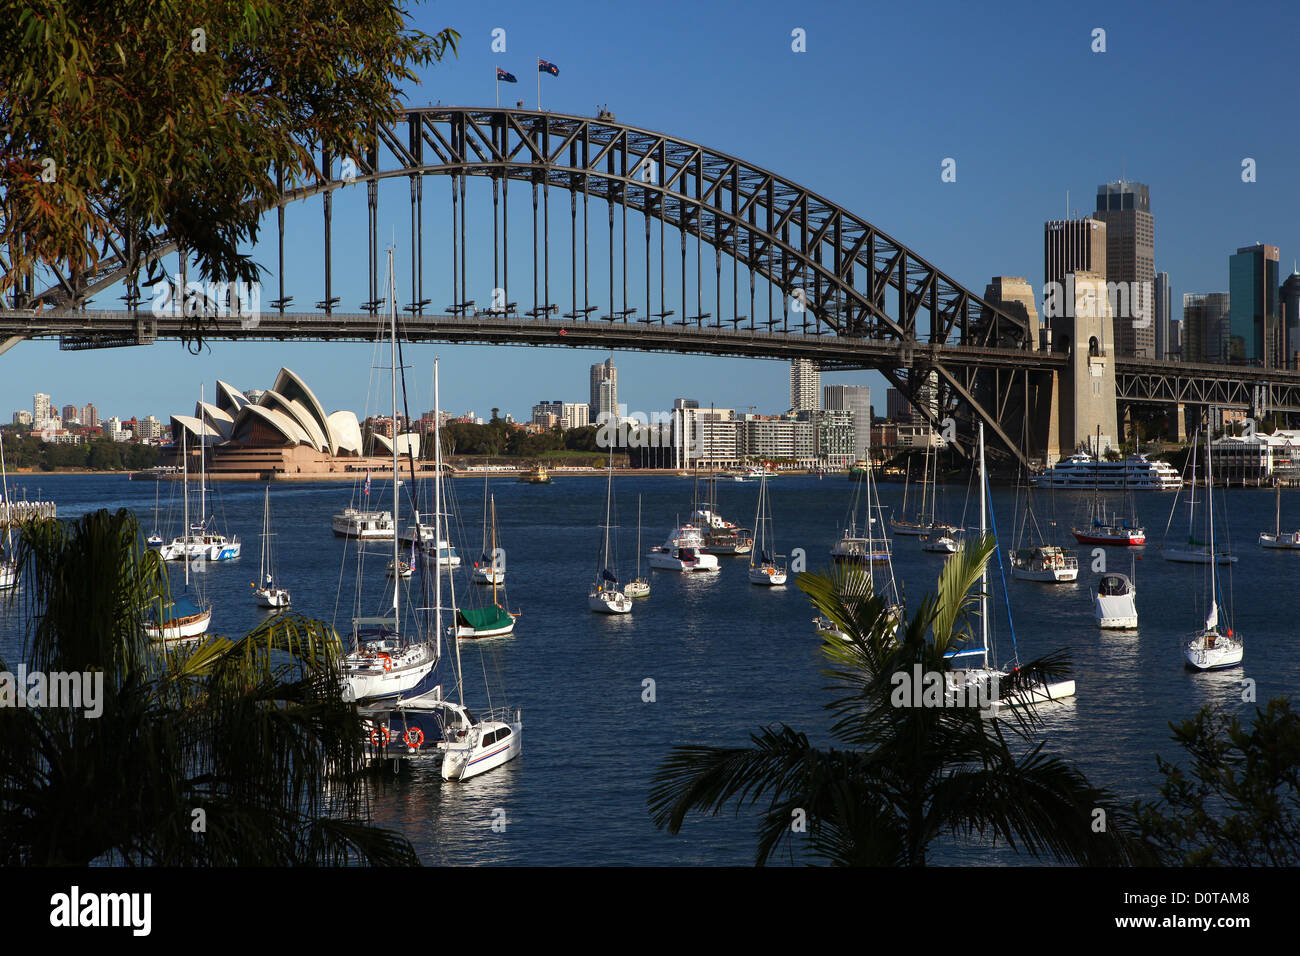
488 576
769 576
637 589
669 562
223 551
609 602
1185 556
8 575
468 756
1281 542
272 597
1048 575
364 676
1225 653
370 526
182 629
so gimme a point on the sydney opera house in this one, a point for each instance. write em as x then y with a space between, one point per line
281 432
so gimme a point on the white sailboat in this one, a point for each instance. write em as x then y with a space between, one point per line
1212 647
986 672
765 567
604 596
1290 541
185 617
266 591
8 569
639 587
384 663
1043 561
487 569
155 540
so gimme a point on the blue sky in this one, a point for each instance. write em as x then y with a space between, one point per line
1013 92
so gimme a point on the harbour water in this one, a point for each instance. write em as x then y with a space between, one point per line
725 657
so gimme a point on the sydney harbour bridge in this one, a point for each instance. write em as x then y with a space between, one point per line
725 259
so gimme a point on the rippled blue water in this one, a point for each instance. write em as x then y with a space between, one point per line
726 657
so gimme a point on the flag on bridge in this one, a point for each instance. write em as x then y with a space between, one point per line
504 77
544 67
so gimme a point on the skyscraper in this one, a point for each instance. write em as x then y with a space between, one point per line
1290 317
1162 297
855 399
1253 326
90 415
604 389
805 386
40 409
1069 246
1205 326
1125 208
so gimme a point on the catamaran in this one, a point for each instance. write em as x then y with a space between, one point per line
186 617
384 662
1212 647
683 551
765 567
267 593
604 596
1290 541
720 535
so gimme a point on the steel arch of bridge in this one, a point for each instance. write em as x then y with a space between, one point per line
842 276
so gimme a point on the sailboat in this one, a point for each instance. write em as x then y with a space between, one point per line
604 596
185 617
639 587
1277 540
1042 561
1122 532
384 663
1115 601
986 670
1212 648
925 525
720 535
493 620
486 568
8 569
1194 551
155 540
198 540
765 567
266 591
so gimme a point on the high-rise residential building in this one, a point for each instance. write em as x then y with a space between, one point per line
1125 208
22 417
805 386
40 409
1253 327
1205 326
71 413
855 399
544 412
836 434
89 415
576 415
705 435
1161 319
685 403
604 389
1290 317
769 437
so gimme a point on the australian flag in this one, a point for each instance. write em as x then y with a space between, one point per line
366 490
504 77
545 67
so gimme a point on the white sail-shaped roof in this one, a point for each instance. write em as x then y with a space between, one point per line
345 431
300 414
286 426
215 418
295 390
230 399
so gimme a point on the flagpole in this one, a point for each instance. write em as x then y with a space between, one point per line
498 84
539 86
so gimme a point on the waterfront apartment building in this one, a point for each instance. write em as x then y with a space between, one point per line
775 437
1256 458
1253 327
1205 326
1125 208
604 390
856 400
835 433
805 386
704 436
40 409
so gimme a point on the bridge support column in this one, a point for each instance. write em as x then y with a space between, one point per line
1083 326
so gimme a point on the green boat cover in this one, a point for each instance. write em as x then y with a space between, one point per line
484 618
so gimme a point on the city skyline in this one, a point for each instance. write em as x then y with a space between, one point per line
1207 208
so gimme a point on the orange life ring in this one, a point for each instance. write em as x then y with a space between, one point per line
414 737
380 735
388 662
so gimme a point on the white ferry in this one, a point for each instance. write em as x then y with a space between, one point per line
371 525
1135 472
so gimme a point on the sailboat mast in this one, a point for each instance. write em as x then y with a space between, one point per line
638 537
437 516
185 493
984 573
266 508
203 465
1209 510
609 490
397 560
494 549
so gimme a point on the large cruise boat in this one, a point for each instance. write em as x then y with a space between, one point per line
1136 472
